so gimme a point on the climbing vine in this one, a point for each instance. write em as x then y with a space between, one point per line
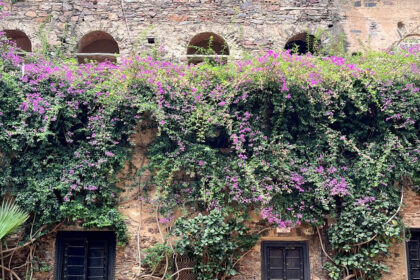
293 140
289 139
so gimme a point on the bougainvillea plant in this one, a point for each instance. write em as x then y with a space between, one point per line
291 139
296 140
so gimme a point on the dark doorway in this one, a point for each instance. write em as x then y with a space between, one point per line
413 255
285 261
83 255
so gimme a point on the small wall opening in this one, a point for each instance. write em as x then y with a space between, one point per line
207 46
97 46
301 44
20 39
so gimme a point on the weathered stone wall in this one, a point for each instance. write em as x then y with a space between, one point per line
143 230
379 24
247 26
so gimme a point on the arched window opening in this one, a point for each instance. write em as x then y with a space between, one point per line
20 39
97 46
207 46
302 43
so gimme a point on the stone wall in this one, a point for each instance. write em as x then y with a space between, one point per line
247 26
143 231
379 24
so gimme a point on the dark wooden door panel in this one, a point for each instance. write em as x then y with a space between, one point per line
413 255
285 261
85 255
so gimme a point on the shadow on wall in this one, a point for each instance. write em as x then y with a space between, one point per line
20 39
98 46
207 46
301 43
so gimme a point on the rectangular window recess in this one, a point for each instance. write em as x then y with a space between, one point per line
413 255
83 255
150 40
284 261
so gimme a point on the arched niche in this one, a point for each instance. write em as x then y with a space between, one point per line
207 45
20 39
301 43
98 46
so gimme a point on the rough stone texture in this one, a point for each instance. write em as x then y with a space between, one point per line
141 218
376 24
247 26
397 263
411 210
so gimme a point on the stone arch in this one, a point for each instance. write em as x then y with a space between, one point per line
21 40
302 43
98 46
207 45
408 41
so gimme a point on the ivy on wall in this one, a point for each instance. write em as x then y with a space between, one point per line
290 139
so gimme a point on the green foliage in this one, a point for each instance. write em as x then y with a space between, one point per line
155 255
289 139
11 218
367 226
213 242
296 139
63 145
41 266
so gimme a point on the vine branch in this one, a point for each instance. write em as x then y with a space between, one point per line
387 222
11 271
